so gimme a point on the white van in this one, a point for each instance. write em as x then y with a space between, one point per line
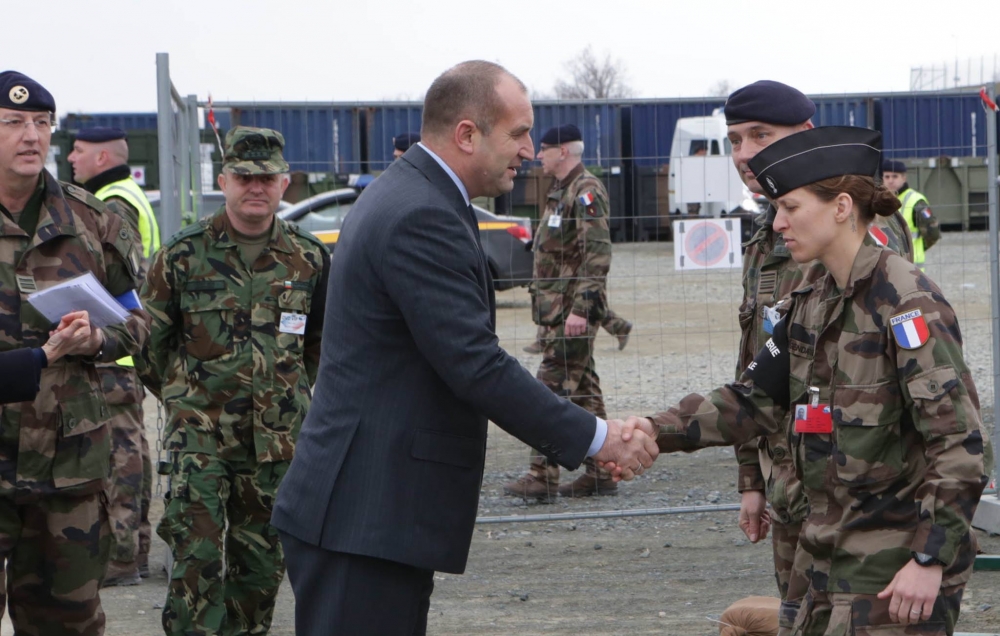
703 179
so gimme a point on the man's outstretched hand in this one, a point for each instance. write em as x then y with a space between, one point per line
627 456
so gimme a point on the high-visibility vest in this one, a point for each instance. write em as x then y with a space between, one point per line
149 229
909 199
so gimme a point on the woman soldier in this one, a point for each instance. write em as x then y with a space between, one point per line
864 374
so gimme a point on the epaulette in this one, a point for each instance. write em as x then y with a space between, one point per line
81 195
192 230
309 236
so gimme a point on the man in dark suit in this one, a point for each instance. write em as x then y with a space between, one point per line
385 482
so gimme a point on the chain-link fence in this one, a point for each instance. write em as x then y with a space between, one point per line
667 167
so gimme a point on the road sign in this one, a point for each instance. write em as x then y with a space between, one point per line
707 244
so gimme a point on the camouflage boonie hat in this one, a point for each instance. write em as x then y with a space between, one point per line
254 151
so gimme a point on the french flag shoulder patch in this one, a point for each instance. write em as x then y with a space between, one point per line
880 237
586 199
910 329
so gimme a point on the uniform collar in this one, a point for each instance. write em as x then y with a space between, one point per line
219 227
568 179
902 191
109 176
864 265
56 217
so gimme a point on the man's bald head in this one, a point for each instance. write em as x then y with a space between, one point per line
91 158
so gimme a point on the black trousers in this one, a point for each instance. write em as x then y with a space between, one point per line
349 594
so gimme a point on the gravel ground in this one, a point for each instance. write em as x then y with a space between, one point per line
637 575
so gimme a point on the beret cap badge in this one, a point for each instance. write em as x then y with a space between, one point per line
19 94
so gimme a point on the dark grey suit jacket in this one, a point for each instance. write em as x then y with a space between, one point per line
389 462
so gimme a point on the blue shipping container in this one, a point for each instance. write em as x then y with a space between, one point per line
318 138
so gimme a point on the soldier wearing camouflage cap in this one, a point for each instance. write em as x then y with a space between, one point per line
237 302
55 449
569 301
864 376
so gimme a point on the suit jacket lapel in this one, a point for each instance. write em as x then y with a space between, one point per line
426 164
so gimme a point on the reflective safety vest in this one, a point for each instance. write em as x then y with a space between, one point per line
909 199
149 229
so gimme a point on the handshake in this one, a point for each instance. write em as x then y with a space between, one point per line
629 449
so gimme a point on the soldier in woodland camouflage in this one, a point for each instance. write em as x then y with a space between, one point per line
237 302
572 258
863 377
757 115
55 450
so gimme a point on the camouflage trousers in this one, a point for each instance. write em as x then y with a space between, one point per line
228 561
131 478
130 487
55 550
568 370
826 614
612 323
790 570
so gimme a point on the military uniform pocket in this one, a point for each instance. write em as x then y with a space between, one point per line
208 323
83 446
932 393
867 444
291 301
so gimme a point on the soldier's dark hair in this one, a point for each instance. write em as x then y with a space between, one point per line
869 197
465 91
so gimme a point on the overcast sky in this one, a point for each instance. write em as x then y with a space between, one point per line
99 56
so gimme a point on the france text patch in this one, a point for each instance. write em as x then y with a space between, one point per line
910 329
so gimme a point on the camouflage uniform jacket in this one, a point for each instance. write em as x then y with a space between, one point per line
769 276
903 468
572 251
61 441
222 354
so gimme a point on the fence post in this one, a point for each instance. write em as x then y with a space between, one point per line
994 214
194 155
170 218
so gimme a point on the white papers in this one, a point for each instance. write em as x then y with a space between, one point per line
79 294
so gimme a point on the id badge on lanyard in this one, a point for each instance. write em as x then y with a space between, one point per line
813 417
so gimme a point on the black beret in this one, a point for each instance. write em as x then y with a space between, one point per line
769 102
890 165
20 92
816 154
403 141
99 134
561 134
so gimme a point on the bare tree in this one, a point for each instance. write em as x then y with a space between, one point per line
593 78
721 88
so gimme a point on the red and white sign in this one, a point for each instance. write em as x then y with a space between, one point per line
139 174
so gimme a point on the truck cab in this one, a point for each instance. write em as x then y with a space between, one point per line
703 180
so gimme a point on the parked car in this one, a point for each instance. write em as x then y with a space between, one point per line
506 239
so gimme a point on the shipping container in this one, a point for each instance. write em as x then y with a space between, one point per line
653 124
932 125
385 121
319 137
599 122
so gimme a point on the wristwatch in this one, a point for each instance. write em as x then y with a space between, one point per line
925 560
